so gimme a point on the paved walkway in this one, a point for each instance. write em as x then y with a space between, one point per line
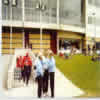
63 88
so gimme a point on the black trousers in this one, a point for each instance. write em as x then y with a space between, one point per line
45 81
27 74
40 86
52 83
22 74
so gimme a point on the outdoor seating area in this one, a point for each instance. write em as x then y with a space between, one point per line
67 53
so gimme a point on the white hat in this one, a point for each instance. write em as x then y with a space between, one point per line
40 54
50 52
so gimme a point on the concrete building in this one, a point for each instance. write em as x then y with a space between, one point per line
45 24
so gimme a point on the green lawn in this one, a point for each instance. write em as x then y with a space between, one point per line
83 72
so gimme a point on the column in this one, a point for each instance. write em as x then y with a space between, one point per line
58 4
57 45
0 27
86 24
23 18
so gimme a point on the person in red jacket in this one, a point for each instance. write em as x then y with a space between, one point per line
22 67
17 62
19 67
27 63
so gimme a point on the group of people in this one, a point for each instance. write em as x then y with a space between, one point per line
24 64
44 66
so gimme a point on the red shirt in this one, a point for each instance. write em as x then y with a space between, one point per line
27 61
61 54
19 63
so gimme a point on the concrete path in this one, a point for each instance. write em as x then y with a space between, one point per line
63 88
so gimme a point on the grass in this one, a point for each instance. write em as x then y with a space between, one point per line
82 71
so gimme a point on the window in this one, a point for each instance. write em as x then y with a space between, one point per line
16 11
90 20
69 14
90 1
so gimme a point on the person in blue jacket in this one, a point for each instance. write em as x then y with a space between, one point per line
39 73
46 74
52 66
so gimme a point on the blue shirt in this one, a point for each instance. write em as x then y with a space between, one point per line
52 64
39 67
45 63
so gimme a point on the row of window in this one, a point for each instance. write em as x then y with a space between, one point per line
33 2
67 11
94 2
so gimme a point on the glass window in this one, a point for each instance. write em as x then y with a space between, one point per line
17 10
94 2
90 20
70 12
47 8
49 14
90 1
52 11
97 21
31 12
97 2
17 14
5 11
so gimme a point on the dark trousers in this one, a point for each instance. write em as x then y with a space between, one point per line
45 81
22 74
40 86
52 77
27 73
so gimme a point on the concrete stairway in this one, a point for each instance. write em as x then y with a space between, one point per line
63 88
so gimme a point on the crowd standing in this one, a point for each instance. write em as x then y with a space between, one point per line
44 66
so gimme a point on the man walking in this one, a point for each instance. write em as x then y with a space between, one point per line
27 63
52 66
46 74
39 73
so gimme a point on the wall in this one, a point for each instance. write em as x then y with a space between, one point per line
70 35
17 42
34 39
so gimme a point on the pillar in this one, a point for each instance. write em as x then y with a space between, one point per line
0 28
86 25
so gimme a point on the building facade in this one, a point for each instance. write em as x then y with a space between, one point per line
47 24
